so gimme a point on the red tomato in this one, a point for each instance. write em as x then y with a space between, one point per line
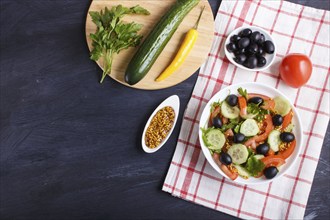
273 160
287 153
295 69
269 127
287 120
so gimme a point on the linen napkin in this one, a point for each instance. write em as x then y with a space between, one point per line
295 28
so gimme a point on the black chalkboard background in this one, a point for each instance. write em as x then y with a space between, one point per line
70 147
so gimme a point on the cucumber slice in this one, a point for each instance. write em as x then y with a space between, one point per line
249 116
259 156
215 139
228 111
274 140
249 127
239 153
282 106
242 171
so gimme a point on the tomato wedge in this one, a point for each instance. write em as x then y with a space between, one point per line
287 120
287 152
230 174
214 114
242 106
273 160
224 168
269 127
269 105
270 152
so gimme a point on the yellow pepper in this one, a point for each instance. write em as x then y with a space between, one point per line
184 50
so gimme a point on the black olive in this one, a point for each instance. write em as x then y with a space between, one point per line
232 100
270 172
256 100
261 61
243 42
261 40
231 47
287 137
216 121
245 33
252 49
225 158
235 38
240 58
269 47
255 36
263 149
260 51
277 120
238 138
251 62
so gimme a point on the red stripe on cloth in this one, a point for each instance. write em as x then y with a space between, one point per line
278 55
193 161
271 29
232 184
280 33
241 201
312 127
294 15
265 202
290 43
309 157
312 110
314 135
300 179
255 79
199 180
213 203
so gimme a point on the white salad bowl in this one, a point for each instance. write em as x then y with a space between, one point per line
172 101
260 89
269 57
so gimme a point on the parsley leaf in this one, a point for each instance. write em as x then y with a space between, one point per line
254 166
232 123
113 35
242 92
255 109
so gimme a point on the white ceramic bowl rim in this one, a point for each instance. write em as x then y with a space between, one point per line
172 101
251 87
269 57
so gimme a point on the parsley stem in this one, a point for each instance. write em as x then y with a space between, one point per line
107 60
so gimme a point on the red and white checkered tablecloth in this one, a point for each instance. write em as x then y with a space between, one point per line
295 28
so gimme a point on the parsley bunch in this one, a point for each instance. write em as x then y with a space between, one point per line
113 35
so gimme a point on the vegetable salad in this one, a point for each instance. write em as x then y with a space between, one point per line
250 135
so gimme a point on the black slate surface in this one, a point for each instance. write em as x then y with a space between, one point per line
70 147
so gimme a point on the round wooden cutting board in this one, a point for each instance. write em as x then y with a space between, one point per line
157 8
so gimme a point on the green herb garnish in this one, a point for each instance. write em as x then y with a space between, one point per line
257 111
113 35
242 92
254 166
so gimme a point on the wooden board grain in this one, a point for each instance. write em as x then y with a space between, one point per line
157 8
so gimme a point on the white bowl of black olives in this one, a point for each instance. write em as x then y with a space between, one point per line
250 48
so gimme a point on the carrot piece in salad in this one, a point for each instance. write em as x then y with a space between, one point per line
242 106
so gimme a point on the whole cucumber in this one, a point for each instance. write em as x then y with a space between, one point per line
155 42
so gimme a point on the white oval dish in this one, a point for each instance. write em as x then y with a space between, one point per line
251 88
172 101
269 57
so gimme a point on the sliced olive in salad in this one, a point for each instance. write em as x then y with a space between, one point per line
250 135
